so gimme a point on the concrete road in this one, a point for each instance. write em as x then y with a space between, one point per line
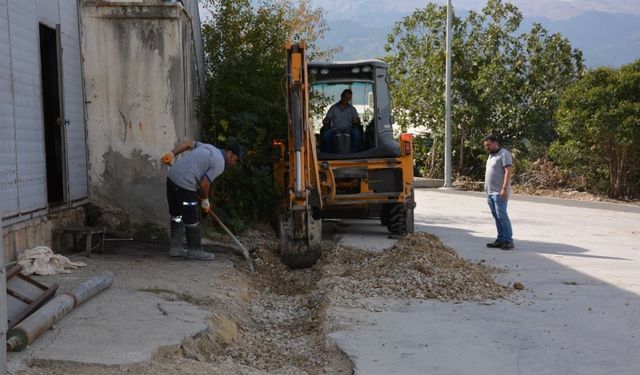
579 312
154 302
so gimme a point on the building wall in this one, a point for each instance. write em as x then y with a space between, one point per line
23 174
37 231
141 81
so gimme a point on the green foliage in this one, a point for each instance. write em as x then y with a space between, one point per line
503 83
245 96
599 127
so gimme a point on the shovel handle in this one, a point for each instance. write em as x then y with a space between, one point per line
244 250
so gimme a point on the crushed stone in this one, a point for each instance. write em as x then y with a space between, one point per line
419 266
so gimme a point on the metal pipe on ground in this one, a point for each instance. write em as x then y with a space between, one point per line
37 323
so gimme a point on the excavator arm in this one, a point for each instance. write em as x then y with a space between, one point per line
300 233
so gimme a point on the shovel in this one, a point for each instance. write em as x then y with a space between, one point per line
244 250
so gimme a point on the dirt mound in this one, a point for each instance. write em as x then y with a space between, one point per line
419 266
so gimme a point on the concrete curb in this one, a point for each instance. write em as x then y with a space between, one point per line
427 183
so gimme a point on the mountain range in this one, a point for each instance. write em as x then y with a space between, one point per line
607 32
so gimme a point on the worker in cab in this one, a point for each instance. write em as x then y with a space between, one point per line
341 117
188 183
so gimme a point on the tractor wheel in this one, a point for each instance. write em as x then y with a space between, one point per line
384 214
397 219
411 226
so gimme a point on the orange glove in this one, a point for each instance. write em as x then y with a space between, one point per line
167 158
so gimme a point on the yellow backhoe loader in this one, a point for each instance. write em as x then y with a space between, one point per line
341 174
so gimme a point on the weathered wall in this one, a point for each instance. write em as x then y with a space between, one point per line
28 217
141 82
38 231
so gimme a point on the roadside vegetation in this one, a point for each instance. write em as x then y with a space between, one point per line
245 102
569 127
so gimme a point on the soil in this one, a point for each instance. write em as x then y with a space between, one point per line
280 326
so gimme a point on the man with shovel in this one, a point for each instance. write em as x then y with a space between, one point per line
188 182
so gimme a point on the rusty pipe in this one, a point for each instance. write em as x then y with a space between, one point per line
37 323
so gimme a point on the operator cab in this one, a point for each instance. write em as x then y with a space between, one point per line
368 82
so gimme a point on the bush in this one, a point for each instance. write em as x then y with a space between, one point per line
245 101
599 126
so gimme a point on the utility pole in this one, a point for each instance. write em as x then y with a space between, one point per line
447 110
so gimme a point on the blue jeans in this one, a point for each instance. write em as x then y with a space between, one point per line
499 211
327 139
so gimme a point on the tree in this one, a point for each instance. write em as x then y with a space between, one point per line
245 98
503 83
599 127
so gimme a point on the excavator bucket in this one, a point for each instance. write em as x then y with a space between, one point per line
300 239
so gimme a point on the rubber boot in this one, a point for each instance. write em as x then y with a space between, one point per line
194 244
176 249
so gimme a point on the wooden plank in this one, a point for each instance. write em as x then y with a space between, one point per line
82 230
27 295
35 305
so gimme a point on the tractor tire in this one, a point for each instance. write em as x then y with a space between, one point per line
411 226
410 206
397 220
384 214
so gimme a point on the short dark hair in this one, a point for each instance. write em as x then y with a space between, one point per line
345 92
236 149
491 138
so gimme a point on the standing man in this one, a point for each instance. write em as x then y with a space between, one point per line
188 182
342 117
497 184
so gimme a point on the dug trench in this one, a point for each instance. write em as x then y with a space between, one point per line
276 320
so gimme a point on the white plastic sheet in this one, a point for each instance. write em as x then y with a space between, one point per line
42 261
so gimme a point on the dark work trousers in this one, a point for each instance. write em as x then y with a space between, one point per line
183 204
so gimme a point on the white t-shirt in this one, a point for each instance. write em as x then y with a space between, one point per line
204 160
494 175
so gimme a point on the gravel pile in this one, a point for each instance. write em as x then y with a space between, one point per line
419 266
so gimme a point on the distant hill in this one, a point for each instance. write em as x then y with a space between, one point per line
606 39
368 12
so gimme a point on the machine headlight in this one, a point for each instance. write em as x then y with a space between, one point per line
355 70
366 69
324 71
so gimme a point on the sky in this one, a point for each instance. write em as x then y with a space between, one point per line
552 9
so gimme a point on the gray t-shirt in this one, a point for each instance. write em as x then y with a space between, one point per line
203 161
342 118
494 175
